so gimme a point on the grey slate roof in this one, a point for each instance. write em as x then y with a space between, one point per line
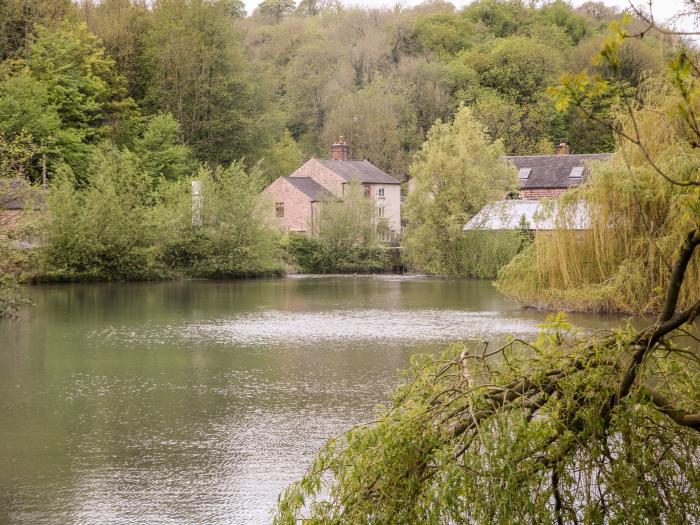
553 171
361 170
309 187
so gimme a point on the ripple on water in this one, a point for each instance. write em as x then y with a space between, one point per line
274 327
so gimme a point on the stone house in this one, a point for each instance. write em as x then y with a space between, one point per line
549 176
297 198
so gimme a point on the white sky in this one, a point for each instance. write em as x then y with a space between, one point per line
663 9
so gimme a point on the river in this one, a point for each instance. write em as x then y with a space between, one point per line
199 401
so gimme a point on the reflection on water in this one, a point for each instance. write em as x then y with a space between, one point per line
197 402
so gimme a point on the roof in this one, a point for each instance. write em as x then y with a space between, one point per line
309 187
540 215
554 171
361 170
17 194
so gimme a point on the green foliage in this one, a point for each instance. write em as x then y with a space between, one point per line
233 239
10 298
16 154
456 172
198 72
125 225
347 237
282 158
378 124
234 85
160 150
26 114
526 433
482 254
101 231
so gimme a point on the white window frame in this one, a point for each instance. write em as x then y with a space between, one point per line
380 211
380 192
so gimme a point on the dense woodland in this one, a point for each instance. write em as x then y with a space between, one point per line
199 81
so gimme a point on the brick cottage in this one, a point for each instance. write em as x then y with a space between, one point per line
297 198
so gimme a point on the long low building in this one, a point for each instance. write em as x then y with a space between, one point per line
527 214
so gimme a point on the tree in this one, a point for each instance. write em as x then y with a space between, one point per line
20 18
524 130
273 11
199 74
26 111
378 124
518 68
80 80
455 173
160 150
564 429
283 158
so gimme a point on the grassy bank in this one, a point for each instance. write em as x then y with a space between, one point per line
637 222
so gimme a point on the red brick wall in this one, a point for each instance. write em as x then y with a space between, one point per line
540 193
326 178
297 206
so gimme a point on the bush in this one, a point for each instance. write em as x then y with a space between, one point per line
347 238
10 298
101 231
233 239
481 254
126 224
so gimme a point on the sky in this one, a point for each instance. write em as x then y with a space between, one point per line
663 9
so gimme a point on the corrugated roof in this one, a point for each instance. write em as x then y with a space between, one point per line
361 170
508 214
554 171
309 187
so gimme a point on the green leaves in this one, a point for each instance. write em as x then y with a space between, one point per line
455 173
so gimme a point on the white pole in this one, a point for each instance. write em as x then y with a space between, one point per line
196 203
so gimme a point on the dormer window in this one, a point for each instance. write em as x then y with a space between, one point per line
576 172
524 173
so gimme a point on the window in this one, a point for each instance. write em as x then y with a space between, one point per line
380 211
279 209
380 192
576 172
524 173
366 191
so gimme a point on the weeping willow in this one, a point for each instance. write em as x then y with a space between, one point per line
636 223
559 430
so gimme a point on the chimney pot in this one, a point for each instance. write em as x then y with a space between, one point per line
563 148
339 150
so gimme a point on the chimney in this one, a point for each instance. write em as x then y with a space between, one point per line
339 150
563 148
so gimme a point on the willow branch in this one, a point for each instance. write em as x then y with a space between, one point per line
679 416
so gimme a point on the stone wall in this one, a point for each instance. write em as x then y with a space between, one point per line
536 194
297 206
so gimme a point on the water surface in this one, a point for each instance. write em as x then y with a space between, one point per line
198 402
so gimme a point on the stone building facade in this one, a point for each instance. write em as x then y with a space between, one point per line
548 176
297 198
